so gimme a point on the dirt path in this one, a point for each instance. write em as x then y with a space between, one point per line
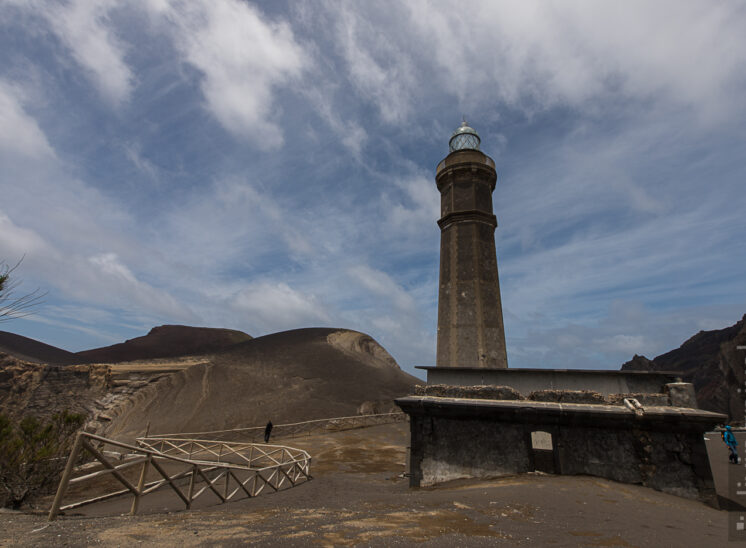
358 497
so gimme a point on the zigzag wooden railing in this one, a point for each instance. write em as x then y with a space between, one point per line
227 469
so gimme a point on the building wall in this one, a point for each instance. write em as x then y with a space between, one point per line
455 439
671 462
526 381
447 449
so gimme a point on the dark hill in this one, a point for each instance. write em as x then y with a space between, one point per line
167 341
31 350
291 376
711 362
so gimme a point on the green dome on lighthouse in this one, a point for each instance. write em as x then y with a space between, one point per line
464 138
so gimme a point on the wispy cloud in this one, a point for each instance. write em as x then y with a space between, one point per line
274 306
83 28
538 56
19 133
261 168
242 56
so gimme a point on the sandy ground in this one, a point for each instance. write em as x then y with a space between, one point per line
359 497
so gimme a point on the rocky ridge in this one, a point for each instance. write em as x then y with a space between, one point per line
709 360
167 341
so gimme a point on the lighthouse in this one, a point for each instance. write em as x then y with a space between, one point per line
470 319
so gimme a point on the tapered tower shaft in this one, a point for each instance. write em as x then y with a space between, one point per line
470 319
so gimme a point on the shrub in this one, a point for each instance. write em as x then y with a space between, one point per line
33 454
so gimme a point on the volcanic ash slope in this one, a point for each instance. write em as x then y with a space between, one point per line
290 376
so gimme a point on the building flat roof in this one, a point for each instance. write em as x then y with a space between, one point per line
585 414
542 370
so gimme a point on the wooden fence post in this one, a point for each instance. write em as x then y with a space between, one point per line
140 485
192 479
62 489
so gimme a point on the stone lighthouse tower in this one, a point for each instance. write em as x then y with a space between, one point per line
470 318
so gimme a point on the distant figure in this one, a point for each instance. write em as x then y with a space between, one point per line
730 441
268 431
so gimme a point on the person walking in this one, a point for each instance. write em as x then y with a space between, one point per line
267 431
730 441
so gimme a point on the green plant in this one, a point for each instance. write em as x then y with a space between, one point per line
33 454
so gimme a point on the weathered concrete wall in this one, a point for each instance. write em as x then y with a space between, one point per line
662 447
447 449
526 381
672 462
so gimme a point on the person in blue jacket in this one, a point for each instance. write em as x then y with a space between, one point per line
730 441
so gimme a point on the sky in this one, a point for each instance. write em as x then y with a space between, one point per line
266 166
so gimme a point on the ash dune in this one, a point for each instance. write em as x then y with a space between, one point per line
163 341
180 378
290 376
31 350
166 341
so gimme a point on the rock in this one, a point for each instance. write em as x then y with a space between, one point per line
646 400
42 390
481 392
360 346
637 363
567 396
681 394
377 407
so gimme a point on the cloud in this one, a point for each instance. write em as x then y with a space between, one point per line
231 225
276 306
535 57
352 135
116 283
382 285
101 279
83 27
16 241
377 67
629 344
134 154
420 208
610 188
19 132
623 329
242 56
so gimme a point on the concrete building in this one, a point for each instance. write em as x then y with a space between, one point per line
478 419
470 318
